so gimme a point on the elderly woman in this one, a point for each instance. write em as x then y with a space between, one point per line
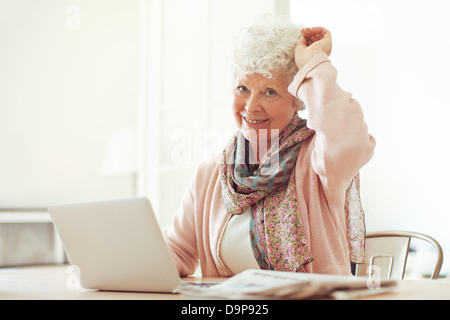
284 194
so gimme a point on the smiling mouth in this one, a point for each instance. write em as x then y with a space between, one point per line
254 121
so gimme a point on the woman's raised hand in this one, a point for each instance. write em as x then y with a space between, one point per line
313 41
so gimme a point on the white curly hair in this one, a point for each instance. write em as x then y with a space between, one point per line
265 47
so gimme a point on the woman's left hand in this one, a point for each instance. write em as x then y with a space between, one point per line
313 41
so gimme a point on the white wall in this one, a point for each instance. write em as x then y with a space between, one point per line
394 57
66 83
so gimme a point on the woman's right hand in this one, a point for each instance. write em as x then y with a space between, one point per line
313 41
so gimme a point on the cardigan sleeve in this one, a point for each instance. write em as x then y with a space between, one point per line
342 143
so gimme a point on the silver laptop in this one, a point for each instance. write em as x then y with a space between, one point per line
117 245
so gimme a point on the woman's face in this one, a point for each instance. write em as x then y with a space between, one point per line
262 107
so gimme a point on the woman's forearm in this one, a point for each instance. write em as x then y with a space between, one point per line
342 143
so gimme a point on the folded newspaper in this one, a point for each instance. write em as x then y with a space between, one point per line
267 284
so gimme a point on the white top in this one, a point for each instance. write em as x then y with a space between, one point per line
236 249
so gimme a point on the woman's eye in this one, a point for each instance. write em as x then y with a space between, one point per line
242 89
271 92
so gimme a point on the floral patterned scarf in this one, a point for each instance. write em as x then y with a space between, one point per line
271 191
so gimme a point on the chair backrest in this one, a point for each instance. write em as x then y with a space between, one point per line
387 253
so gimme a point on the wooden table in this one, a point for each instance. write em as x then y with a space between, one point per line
54 283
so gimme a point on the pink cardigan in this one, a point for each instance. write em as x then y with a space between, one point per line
325 166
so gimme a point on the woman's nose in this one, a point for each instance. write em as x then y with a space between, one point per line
253 104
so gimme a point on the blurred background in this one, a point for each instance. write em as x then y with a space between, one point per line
106 99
